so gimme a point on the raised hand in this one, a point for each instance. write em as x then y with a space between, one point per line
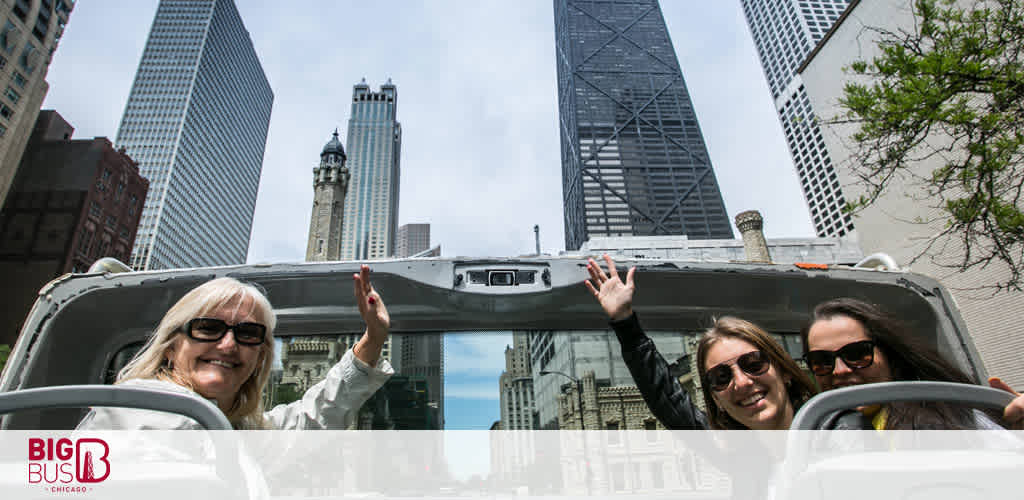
616 297
374 314
1013 414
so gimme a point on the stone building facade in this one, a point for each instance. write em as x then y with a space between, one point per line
330 184
844 250
751 225
518 410
616 407
29 35
305 361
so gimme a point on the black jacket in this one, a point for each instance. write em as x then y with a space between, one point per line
665 397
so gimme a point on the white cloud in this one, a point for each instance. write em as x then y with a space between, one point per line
476 354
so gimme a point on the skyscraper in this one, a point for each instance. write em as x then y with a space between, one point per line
374 151
196 121
412 239
785 32
30 33
516 385
634 161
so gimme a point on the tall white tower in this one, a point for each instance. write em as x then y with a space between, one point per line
330 183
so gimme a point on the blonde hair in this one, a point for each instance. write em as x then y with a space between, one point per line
246 411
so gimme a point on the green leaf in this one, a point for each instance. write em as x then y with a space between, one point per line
5 351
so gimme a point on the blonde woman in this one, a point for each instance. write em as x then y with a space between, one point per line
217 342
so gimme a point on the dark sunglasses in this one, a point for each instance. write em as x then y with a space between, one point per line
212 330
856 355
753 363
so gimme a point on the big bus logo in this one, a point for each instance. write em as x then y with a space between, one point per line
63 461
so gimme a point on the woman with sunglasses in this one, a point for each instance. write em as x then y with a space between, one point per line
851 342
217 341
748 380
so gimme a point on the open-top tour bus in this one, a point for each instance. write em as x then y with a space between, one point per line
506 344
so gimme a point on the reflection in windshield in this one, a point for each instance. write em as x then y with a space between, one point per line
498 380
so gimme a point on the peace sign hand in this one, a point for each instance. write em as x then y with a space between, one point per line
615 297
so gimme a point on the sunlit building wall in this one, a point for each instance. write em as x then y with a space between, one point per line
196 121
784 33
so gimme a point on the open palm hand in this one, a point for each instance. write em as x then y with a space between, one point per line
615 297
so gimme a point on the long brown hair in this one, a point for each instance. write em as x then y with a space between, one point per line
799 389
909 359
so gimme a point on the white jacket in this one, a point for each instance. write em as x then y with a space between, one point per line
333 403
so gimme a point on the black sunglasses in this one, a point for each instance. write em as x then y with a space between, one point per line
212 330
856 355
753 363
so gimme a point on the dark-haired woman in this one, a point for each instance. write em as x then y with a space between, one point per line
748 380
852 342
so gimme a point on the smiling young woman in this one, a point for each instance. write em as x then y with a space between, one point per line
748 380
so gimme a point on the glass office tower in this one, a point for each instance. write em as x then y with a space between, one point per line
374 150
785 32
634 162
196 121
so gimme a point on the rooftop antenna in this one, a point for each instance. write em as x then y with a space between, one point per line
536 236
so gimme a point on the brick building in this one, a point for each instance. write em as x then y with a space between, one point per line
73 202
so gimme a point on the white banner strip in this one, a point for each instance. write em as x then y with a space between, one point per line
195 465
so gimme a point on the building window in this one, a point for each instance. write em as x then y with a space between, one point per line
6 112
83 246
3 61
9 37
18 80
12 95
3 130
29 59
19 10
